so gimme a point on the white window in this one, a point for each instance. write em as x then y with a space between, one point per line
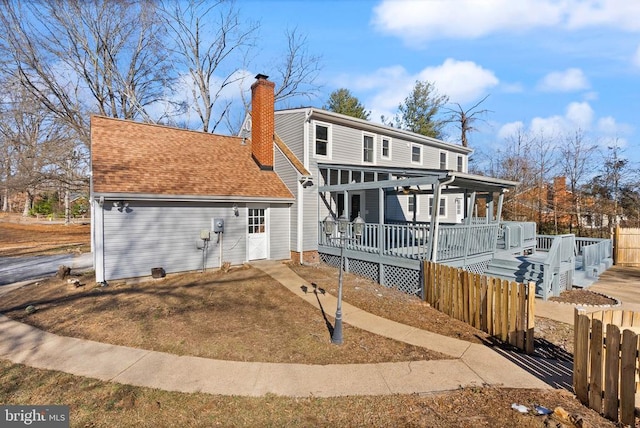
416 154
442 209
460 163
322 138
443 160
386 148
413 204
458 206
368 149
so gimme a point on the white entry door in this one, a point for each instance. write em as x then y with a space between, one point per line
257 234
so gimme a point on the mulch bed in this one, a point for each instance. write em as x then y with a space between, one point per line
584 297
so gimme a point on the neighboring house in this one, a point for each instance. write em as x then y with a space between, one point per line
155 189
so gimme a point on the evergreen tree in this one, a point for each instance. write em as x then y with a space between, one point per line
343 102
420 110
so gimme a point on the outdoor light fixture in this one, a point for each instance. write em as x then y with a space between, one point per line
235 210
329 225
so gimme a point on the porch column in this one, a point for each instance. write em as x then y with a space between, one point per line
500 201
470 203
435 223
381 216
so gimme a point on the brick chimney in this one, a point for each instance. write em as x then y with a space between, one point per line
262 121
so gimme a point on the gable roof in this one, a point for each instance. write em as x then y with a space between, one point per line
154 160
287 153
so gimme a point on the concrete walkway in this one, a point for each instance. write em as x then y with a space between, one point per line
621 283
471 364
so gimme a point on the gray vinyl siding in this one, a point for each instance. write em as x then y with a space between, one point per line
148 235
279 244
290 128
289 177
310 221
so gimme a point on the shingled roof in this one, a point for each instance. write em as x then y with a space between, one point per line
147 159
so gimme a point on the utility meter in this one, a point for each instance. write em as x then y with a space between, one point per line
218 225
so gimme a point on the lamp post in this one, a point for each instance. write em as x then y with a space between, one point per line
329 224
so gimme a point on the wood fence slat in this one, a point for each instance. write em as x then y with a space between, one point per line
636 319
513 312
627 318
616 317
497 306
581 357
478 309
612 372
521 317
627 377
490 307
531 301
465 299
595 381
505 311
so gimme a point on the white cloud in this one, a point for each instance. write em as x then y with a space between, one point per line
580 115
462 81
386 88
509 129
418 21
571 79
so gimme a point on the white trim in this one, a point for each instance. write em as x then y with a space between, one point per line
419 146
389 139
461 158
373 149
312 134
446 159
443 206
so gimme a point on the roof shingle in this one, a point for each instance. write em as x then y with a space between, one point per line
131 157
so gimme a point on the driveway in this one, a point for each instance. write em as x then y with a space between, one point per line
20 269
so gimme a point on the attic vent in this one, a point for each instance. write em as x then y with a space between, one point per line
247 125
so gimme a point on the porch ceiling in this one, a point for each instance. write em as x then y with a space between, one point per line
456 181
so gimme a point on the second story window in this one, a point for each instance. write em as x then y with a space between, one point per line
416 154
367 149
386 148
443 160
322 140
460 163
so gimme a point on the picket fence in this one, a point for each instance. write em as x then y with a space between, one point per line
502 308
606 362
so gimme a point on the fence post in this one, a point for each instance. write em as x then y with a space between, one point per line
612 372
595 377
627 377
531 301
581 355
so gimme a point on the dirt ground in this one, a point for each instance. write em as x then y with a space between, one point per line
252 318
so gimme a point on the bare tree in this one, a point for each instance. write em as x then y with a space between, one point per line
576 163
211 41
34 141
297 70
464 119
83 56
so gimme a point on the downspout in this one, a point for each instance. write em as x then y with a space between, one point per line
435 223
300 207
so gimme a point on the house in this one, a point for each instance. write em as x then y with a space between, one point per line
156 190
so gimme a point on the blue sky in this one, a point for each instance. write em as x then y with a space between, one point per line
547 66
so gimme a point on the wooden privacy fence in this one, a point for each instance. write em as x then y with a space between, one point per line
627 246
606 362
502 308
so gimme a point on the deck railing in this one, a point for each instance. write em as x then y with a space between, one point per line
559 263
412 240
517 234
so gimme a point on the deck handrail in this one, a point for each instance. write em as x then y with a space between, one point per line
560 258
412 240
